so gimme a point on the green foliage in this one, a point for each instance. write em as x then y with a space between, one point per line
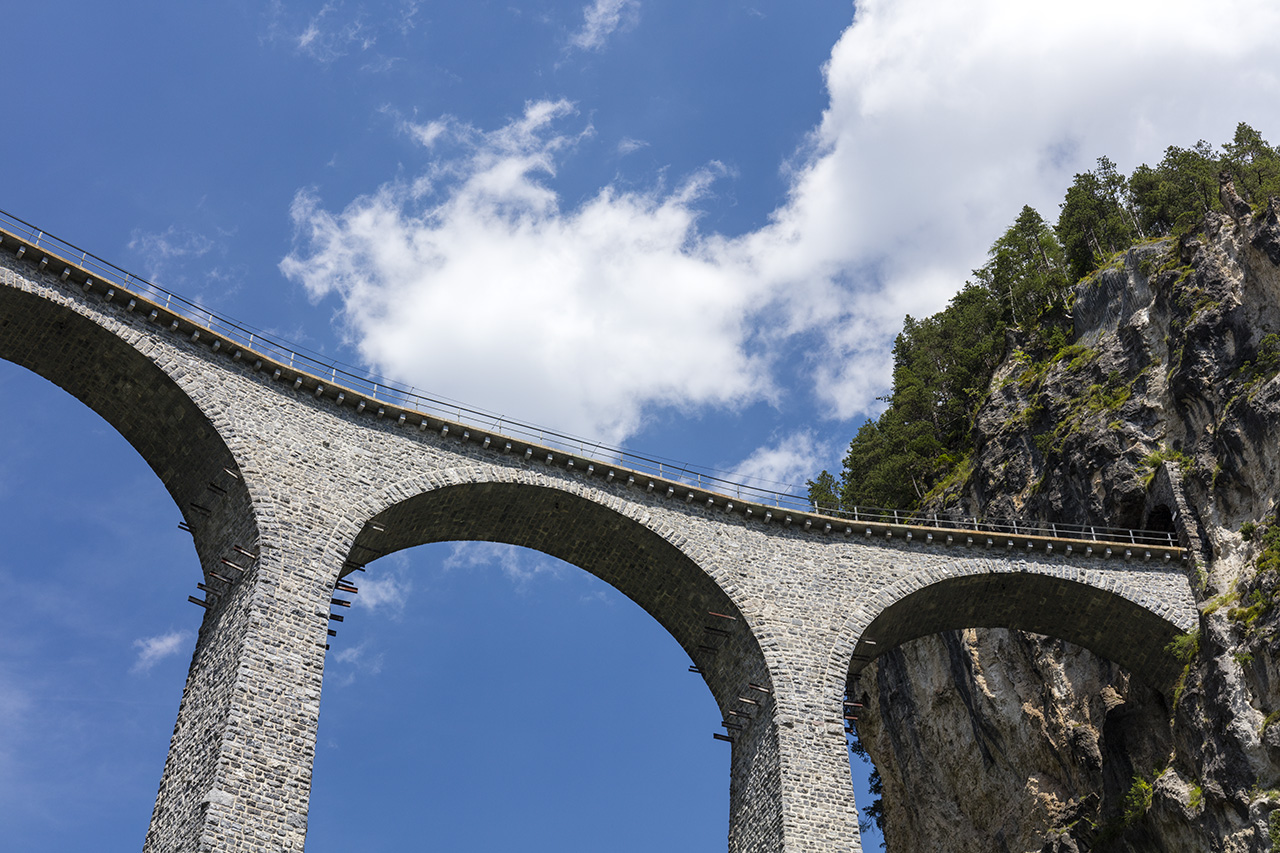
1093 223
1257 605
1267 722
1254 165
1248 530
875 811
942 367
1025 270
1106 398
1195 797
1265 363
824 492
1216 603
1273 829
1077 356
1186 646
1269 559
1103 212
1138 800
1178 191
1153 461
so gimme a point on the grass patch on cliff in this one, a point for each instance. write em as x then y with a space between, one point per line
1264 365
1138 801
1269 556
1248 613
1216 603
1185 648
1152 462
955 480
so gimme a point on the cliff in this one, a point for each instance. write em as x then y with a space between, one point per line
1163 412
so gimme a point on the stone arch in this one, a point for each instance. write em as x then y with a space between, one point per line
560 518
618 542
1105 618
99 366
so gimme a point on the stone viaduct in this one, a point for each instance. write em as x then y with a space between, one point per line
290 481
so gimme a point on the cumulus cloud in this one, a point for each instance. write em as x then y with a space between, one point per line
152 650
476 280
943 122
600 311
602 19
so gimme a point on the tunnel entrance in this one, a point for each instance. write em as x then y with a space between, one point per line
1160 520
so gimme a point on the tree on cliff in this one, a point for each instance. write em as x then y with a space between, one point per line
943 364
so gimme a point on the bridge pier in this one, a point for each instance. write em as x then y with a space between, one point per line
238 775
790 789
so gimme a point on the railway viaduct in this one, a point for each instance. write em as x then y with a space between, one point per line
291 475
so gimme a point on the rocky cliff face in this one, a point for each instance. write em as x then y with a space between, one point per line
1163 413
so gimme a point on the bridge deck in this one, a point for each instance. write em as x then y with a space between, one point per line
383 399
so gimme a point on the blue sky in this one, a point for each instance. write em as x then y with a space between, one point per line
690 228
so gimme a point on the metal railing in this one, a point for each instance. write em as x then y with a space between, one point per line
1003 526
391 393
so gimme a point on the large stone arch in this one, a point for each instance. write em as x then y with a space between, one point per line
104 368
622 544
1109 617
584 529
149 390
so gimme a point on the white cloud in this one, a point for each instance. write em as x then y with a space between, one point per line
152 650
945 119
602 19
338 30
384 591
361 658
630 146
609 308
783 466
159 249
519 564
942 122
353 661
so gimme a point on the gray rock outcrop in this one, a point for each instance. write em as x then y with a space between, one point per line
1163 413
